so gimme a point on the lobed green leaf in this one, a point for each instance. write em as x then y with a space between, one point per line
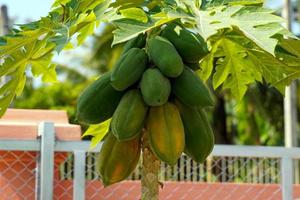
98 132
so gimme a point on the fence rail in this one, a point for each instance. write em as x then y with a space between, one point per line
219 150
227 163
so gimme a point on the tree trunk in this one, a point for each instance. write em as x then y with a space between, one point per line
150 169
220 122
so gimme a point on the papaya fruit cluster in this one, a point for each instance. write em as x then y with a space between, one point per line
152 87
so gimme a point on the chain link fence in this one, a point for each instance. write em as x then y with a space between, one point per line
217 178
17 175
220 177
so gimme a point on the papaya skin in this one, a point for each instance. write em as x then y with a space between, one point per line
98 101
189 45
129 69
199 137
129 117
155 87
166 133
191 90
117 160
137 42
164 56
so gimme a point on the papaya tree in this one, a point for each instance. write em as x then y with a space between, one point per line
155 97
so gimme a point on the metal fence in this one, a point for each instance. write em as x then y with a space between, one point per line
49 169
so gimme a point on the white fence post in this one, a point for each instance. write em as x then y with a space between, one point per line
79 175
287 178
46 132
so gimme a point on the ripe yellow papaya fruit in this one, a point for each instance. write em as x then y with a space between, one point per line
166 132
117 160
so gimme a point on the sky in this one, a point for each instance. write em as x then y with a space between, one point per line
25 10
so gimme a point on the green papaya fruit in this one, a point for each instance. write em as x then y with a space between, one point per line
193 66
155 87
199 137
190 89
129 69
98 101
117 160
189 45
165 56
166 132
137 42
128 119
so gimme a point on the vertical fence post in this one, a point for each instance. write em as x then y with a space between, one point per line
79 176
287 178
290 100
46 132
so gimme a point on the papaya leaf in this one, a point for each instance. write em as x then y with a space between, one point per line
241 63
95 141
59 2
13 69
291 45
13 85
50 75
127 4
101 10
33 44
40 62
207 63
198 3
97 131
213 3
85 26
235 71
259 25
128 28
281 84
21 84
135 14
15 43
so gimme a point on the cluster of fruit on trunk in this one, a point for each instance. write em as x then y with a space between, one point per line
153 87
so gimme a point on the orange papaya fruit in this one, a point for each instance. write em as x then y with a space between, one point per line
117 160
166 132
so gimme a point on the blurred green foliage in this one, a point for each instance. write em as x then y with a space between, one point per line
260 118
63 95
60 96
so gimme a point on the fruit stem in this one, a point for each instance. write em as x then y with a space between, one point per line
150 170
